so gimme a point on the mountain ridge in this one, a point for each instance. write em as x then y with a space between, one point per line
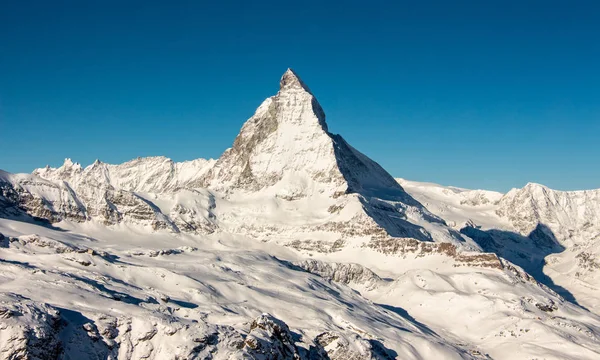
181 258
534 226
284 151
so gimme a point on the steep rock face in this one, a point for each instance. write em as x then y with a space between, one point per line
288 137
29 195
28 330
354 274
54 201
286 151
270 339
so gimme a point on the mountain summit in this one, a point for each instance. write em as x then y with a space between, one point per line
287 143
291 80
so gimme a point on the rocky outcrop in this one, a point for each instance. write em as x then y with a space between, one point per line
337 347
37 331
349 274
404 246
28 195
28 330
270 339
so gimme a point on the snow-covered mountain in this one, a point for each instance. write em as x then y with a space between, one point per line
553 234
291 245
286 177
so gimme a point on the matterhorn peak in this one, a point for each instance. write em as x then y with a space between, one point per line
287 143
291 80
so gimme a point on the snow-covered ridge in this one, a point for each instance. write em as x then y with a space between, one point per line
562 211
542 229
150 174
254 255
285 175
565 212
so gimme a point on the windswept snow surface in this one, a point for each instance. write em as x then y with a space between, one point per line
127 293
123 294
291 245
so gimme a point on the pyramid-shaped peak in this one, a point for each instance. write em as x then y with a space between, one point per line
286 142
291 80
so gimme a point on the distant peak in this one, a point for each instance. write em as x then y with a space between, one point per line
532 185
69 164
291 80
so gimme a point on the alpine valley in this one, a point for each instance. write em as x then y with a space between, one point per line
291 245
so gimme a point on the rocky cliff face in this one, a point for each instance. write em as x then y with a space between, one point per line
287 142
23 195
54 201
287 136
28 330
349 274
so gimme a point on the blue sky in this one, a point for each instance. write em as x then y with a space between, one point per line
481 94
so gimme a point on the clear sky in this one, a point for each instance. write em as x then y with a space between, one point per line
481 94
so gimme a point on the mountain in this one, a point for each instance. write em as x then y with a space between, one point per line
287 144
286 176
571 215
291 245
553 234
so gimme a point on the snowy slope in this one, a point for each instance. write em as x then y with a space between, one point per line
456 205
116 294
93 291
553 234
158 259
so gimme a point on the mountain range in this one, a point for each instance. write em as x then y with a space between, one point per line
291 245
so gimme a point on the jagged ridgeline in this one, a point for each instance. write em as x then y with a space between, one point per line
292 245
284 158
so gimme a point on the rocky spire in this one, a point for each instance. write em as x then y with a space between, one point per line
291 80
287 142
